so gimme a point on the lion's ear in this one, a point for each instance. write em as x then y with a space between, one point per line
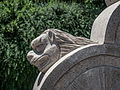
51 37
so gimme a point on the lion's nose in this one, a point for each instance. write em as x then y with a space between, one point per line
30 55
33 44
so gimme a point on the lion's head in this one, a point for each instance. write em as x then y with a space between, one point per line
51 45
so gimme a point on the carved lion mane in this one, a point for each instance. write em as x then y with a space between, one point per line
51 45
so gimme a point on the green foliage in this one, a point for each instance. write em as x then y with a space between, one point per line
23 20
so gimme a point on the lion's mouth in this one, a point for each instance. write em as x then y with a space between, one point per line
40 61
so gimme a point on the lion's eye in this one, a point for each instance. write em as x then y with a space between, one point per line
43 40
40 47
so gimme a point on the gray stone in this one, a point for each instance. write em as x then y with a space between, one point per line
51 45
89 64
65 72
110 2
107 25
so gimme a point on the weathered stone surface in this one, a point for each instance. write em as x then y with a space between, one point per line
67 69
101 78
87 65
51 45
110 2
61 75
107 25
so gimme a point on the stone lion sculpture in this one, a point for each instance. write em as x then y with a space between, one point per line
51 45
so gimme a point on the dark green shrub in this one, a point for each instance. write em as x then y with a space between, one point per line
22 20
